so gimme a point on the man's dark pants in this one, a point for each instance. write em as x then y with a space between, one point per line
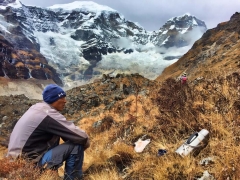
73 156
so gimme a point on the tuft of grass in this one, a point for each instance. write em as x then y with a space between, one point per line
24 170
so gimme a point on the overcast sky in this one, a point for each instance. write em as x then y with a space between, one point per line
152 14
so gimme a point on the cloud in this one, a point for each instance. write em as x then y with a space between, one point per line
194 34
122 42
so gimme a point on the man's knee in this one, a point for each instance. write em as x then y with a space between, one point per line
77 149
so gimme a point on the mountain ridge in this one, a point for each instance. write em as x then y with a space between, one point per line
79 45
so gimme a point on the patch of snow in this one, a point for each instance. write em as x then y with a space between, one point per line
164 32
172 27
164 42
65 51
194 22
179 17
4 25
81 6
3 28
184 30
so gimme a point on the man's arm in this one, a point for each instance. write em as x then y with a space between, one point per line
67 130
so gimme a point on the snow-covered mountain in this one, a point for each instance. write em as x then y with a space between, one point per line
83 40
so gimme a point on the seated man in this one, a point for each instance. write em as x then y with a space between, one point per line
37 134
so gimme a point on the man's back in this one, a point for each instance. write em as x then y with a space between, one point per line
39 129
27 135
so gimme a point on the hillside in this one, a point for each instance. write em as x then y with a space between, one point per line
167 113
217 52
118 111
32 88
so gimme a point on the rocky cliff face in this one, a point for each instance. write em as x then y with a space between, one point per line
17 63
74 39
20 57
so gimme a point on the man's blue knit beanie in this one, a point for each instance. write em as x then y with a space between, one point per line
52 93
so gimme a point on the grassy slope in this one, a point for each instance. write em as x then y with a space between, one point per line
168 115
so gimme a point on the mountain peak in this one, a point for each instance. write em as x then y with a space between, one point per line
12 3
81 5
177 18
185 21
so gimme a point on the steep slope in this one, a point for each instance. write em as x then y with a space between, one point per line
31 88
20 57
216 53
116 112
24 63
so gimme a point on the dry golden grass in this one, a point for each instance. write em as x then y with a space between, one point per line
214 100
167 116
107 173
3 152
23 170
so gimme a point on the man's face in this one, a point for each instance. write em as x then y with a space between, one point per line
59 104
